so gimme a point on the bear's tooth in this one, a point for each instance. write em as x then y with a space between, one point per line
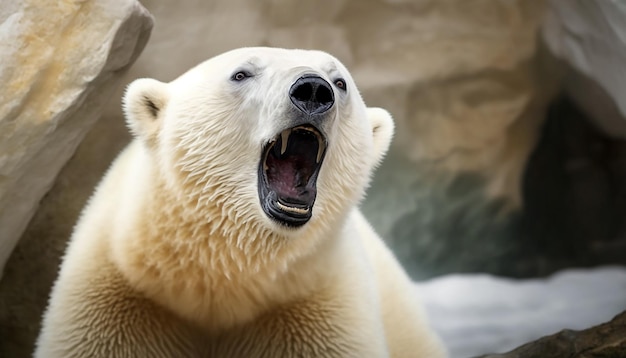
320 149
292 209
284 138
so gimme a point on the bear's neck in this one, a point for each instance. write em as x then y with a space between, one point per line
212 269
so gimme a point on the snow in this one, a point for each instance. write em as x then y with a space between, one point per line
478 313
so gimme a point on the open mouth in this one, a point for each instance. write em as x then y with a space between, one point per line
288 170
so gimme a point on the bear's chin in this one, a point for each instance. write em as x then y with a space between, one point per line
288 169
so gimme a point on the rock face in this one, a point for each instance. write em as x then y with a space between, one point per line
604 341
574 203
590 36
60 63
570 189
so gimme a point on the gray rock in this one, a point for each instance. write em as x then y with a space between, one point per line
590 36
61 61
574 193
607 340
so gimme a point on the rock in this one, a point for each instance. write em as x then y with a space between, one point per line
61 61
589 36
574 194
469 114
607 340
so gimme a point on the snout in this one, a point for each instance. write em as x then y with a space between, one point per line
312 95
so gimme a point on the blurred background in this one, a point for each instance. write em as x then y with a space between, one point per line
509 157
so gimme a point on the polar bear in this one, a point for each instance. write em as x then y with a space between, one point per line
229 226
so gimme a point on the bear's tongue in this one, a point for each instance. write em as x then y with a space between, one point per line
289 173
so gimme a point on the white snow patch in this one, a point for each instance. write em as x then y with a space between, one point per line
479 313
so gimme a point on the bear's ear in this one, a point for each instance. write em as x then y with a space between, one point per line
143 103
382 131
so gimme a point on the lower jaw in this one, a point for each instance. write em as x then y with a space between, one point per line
271 209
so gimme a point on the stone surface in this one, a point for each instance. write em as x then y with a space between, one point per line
574 193
60 63
590 36
604 341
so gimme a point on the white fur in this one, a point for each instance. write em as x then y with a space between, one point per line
174 257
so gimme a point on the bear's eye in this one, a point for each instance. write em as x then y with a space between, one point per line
340 83
240 76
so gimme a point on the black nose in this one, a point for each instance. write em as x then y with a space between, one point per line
312 94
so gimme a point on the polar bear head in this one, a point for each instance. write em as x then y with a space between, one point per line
275 138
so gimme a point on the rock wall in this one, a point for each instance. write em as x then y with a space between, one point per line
60 63
590 36
606 340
